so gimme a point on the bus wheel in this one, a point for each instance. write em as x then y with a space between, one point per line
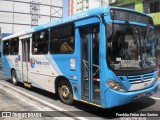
14 78
65 92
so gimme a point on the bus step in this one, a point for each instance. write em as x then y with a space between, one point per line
27 84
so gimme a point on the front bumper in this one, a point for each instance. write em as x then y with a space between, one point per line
115 98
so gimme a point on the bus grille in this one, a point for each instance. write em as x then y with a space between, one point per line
141 81
140 78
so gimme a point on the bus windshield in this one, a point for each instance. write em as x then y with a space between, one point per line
130 47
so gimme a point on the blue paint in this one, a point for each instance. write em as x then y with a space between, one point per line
5 34
115 98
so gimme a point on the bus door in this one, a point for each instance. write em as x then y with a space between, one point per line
90 63
25 61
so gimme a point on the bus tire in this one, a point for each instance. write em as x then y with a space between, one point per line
65 92
14 77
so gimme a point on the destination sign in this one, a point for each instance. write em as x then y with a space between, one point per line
119 14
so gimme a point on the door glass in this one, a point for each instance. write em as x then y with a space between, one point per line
90 64
25 58
95 61
85 67
28 50
23 51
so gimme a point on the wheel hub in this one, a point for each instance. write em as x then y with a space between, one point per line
14 79
65 91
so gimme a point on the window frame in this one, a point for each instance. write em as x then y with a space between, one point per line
4 53
45 41
17 46
154 7
59 39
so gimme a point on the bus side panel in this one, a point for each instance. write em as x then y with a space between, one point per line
7 64
64 63
16 65
42 81
5 67
43 71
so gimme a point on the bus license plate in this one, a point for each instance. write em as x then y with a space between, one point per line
142 95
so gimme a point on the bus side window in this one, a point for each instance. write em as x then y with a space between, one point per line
40 42
6 46
14 45
62 39
54 44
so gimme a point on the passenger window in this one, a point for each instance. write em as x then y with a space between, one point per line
62 39
6 46
40 42
14 46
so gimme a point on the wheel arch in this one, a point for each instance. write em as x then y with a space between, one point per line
14 77
58 80
12 70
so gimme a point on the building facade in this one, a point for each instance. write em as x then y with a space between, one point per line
19 15
150 7
76 6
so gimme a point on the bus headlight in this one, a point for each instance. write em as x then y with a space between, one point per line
115 85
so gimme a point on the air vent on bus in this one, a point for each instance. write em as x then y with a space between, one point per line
140 78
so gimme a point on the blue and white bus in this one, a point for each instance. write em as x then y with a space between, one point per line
104 56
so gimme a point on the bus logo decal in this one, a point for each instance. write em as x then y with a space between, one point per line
145 84
32 62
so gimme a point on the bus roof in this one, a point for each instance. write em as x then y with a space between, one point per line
82 15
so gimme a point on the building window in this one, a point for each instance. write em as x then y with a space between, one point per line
62 39
6 46
40 42
154 7
129 6
14 46
145 7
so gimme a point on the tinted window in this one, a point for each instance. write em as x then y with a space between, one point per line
62 39
154 7
6 46
14 45
40 42
131 47
117 14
